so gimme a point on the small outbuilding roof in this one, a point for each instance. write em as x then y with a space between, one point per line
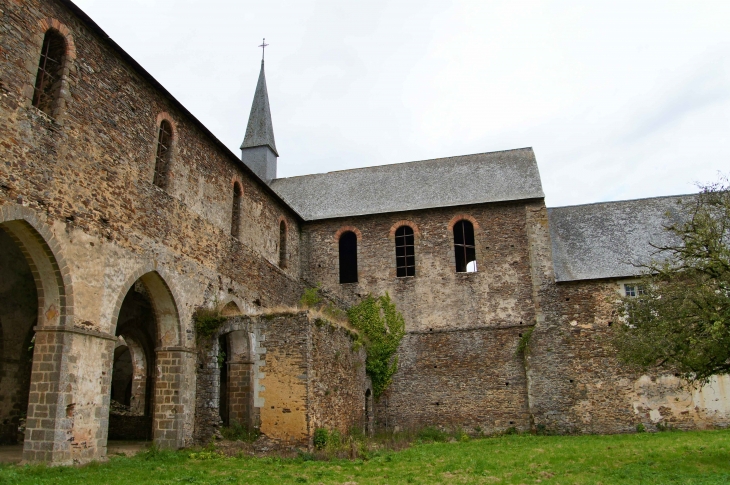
442 182
607 240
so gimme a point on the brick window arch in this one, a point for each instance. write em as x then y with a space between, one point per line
282 244
405 252
236 209
348 257
465 247
163 153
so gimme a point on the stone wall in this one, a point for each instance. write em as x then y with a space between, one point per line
463 328
78 188
306 374
338 383
585 389
470 379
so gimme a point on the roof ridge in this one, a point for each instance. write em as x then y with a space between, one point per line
403 163
606 202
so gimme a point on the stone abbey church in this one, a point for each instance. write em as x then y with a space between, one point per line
121 216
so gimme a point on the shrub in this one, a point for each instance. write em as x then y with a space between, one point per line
431 433
321 436
524 341
640 428
207 321
238 432
312 297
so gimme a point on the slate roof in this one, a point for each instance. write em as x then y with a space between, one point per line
260 129
443 182
602 240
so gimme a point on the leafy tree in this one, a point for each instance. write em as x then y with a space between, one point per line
383 328
680 321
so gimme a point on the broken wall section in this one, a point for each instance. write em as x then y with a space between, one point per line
306 373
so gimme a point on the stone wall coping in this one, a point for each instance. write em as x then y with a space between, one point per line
81 331
175 349
471 329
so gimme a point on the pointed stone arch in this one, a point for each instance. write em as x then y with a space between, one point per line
172 398
164 298
43 254
51 380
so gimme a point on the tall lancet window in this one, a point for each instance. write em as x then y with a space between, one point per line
50 70
464 247
162 156
236 210
348 257
282 244
405 254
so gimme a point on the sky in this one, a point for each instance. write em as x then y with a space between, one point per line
619 99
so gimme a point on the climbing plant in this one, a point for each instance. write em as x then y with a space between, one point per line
383 328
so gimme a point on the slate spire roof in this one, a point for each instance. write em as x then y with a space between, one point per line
260 129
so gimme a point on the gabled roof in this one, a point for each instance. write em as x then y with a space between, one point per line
607 239
260 129
443 182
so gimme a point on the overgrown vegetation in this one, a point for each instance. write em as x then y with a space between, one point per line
680 316
207 321
524 342
235 431
313 298
383 328
666 458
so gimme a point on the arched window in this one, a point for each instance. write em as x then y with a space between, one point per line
464 248
50 70
348 257
282 244
405 255
236 210
162 156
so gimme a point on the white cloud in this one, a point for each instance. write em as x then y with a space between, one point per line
620 99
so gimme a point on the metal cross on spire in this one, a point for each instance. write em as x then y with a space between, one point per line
263 48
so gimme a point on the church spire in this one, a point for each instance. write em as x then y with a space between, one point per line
258 149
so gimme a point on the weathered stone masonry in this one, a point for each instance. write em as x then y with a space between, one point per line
83 189
83 229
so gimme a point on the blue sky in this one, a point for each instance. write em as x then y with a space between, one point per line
619 99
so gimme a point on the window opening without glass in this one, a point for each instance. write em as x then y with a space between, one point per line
236 210
348 257
282 244
50 68
162 156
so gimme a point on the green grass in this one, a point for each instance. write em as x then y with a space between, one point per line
663 458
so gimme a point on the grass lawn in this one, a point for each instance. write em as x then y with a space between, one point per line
701 457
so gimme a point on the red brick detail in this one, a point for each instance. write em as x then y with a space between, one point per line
398 224
461 217
51 23
164 115
344 229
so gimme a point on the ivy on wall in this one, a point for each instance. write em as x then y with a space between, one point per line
383 328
